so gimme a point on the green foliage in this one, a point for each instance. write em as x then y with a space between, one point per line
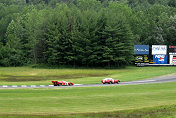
172 3
170 30
82 32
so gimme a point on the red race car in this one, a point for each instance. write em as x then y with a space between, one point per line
62 83
110 81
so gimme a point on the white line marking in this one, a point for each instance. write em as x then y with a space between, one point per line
77 84
150 80
33 85
23 85
145 81
50 85
14 86
4 86
140 81
42 85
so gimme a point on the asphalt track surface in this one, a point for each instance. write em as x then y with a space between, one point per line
162 79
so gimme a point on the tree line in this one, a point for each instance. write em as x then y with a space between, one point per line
82 32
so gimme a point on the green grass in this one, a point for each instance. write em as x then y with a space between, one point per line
41 76
147 101
86 100
166 111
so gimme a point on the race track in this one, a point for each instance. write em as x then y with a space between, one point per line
162 79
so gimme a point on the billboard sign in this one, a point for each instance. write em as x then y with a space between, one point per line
172 49
160 59
146 59
141 49
172 59
159 49
141 59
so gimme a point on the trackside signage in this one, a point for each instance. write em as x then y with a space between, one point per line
172 49
141 59
141 49
160 59
159 49
172 59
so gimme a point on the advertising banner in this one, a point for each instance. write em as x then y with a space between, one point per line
146 59
160 59
159 49
141 59
172 59
141 49
172 50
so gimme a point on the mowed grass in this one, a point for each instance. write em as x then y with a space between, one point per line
38 76
93 101
165 111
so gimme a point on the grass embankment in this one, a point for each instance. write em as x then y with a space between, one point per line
168 111
38 76
94 101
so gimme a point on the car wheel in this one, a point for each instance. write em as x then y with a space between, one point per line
117 82
55 85
104 83
109 83
60 84
70 84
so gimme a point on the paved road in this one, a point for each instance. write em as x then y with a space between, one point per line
162 79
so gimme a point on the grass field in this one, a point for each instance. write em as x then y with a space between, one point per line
166 111
147 101
39 76
90 102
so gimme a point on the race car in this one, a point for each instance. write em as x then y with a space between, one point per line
110 81
62 83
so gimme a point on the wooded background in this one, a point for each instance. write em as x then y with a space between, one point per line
82 32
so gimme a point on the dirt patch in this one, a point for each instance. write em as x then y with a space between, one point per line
10 78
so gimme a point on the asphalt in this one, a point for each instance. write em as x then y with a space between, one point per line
162 79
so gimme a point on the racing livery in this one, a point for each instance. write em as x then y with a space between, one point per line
110 81
62 83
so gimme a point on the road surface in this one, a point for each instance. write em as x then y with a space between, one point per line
162 79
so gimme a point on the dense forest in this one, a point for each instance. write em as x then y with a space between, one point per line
82 32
